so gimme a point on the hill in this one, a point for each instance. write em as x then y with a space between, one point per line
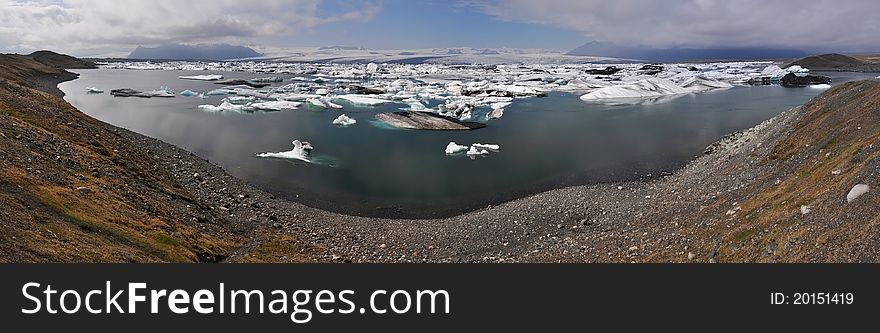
193 52
836 62
58 60
74 189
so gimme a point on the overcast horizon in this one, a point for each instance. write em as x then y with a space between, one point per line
114 28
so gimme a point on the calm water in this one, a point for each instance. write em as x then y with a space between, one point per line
368 170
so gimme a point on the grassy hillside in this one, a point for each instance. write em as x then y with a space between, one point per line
72 189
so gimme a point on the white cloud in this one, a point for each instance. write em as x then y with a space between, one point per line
83 26
815 23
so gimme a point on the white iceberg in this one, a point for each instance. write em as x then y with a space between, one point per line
820 86
797 70
486 146
331 104
474 151
495 114
202 77
276 105
227 106
500 105
316 102
647 88
454 148
361 100
372 68
219 92
322 91
161 92
93 90
344 120
773 72
701 84
301 151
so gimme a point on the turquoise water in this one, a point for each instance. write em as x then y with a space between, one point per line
370 170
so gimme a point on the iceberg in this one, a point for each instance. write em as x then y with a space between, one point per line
344 120
474 151
322 92
485 146
647 88
226 106
202 77
301 151
161 92
93 90
773 72
331 104
797 70
361 100
454 148
276 105
219 92
500 105
316 102
372 68
495 114
701 84
188 93
820 86
270 79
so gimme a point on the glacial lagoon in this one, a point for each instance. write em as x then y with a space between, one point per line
372 170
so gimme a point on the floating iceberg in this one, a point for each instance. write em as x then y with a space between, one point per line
486 146
270 79
322 91
647 88
227 106
773 71
361 100
161 92
495 114
344 120
820 86
219 92
797 70
454 148
188 93
331 104
701 84
372 68
316 102
301 151
93 90
500 105
276 105
474 151
202 77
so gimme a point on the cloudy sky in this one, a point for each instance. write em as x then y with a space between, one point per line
112 27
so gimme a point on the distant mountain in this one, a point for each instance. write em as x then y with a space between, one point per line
601 49
194 52
58 60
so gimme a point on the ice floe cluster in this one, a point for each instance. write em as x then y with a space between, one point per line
474 150
464 92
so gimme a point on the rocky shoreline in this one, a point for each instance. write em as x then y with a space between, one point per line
737 203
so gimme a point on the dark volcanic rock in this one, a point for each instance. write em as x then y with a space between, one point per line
792 81
58 60
426 121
